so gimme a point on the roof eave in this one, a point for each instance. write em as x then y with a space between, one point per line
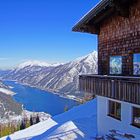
91 21
82 25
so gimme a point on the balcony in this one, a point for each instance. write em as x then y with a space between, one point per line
116 87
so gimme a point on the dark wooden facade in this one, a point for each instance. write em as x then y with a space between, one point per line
117 24
119 36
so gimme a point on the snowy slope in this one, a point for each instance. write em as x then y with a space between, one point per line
65 78
8 107
78 123
62 78
6 91
3 86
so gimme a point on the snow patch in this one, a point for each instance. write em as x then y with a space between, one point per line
6 91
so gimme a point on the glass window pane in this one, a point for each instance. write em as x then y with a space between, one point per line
136 64
118 110
111 108
136 116
115 110
116 65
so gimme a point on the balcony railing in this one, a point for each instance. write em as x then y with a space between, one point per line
116 87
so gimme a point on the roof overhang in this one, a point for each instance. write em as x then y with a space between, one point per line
90 23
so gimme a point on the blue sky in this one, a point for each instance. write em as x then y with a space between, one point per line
41 30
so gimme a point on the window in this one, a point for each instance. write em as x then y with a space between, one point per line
136 64
136 117
116 65
115 110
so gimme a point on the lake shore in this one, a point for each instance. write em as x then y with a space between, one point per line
72 97
37 100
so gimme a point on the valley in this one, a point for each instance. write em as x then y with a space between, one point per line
39 88
57 78
36 100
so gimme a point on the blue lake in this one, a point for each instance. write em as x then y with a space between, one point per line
37 100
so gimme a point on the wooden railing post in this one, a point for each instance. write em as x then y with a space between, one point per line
120 88
113 88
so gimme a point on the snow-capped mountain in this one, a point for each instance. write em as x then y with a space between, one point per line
32 63
62 78
65 78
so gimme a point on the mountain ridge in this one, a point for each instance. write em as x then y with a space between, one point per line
36 63
62 78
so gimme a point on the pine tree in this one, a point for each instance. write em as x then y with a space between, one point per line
37 119
31 120
22 126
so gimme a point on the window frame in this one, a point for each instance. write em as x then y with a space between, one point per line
133 122
115 116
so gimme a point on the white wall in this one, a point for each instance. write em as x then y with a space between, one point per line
106 123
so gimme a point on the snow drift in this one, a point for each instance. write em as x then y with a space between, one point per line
79 123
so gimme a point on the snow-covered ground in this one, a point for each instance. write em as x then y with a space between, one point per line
6 91
25 114
79 123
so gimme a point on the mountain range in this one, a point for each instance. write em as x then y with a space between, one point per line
59 78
